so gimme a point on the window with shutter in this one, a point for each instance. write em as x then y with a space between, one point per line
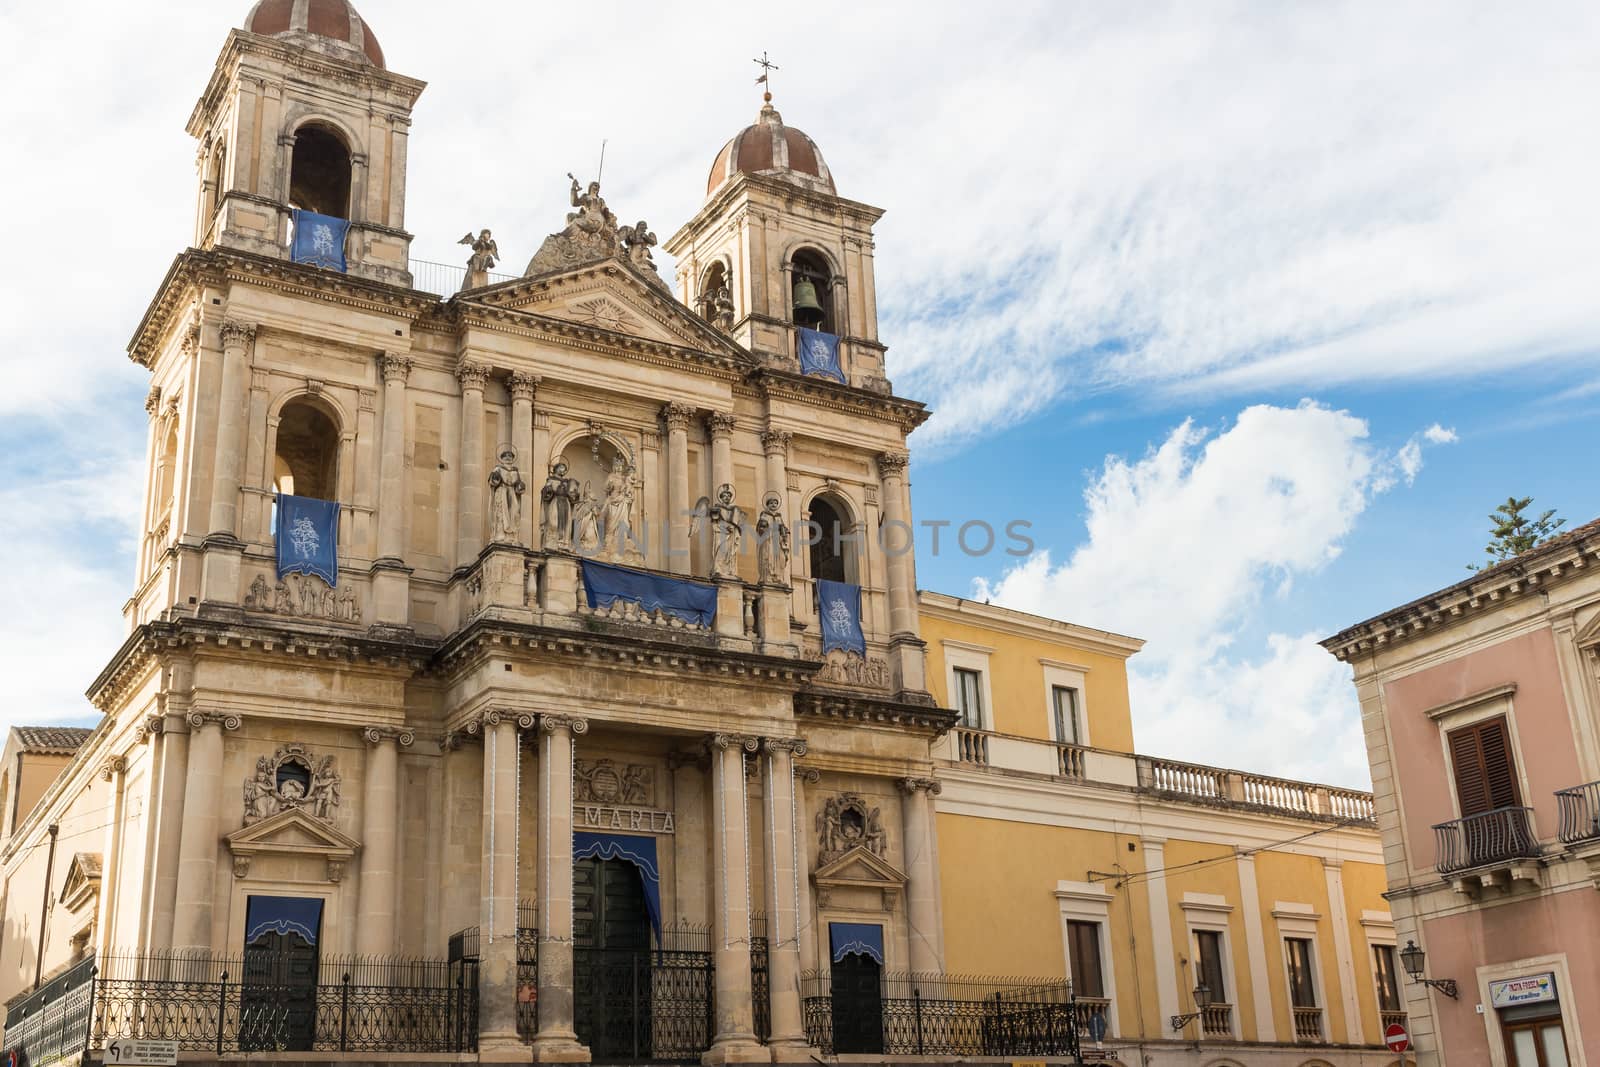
1486 777
1087 977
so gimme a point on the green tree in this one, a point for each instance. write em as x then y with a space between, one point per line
1512 533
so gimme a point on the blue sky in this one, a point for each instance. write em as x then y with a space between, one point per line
1253 311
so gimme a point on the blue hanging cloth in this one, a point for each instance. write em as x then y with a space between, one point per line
319 240
307 531
839 605
639 851
283 915
693 602
856 939
819 353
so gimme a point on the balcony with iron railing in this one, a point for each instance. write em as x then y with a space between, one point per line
1494 847
1169 779
1580 813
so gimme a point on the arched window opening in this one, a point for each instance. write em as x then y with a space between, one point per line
219 159
307 459
166 466
716 297
813 292
319 174
833 552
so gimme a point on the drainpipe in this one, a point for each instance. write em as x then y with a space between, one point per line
44 905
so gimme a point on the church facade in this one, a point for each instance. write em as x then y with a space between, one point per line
539 670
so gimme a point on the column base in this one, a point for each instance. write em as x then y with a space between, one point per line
557 1048
796 1051
501 1048
741 1049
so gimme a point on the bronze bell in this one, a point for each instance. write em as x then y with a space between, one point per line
807 312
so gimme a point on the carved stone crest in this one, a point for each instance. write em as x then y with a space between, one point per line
602 781
291 778
846 822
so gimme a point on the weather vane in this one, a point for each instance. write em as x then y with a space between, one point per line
767 67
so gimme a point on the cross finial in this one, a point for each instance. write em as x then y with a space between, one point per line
767 67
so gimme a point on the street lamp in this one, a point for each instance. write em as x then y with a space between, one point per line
1412 958
1202 1001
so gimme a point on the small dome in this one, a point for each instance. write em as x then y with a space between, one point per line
331 26
771 148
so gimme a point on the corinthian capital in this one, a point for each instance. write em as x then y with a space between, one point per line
776 442
677 416
236 334
720 423
524 386
892 464
395 367
471 375
152 401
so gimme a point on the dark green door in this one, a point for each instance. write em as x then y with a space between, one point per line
857 1005
278 994
611 980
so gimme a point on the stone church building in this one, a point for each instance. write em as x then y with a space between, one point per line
537 669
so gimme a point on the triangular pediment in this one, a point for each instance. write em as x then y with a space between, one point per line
293 831
1590 633
860 866
613 297
82 883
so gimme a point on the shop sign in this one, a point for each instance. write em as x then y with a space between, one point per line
1531 989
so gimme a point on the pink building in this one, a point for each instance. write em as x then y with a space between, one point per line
1481 709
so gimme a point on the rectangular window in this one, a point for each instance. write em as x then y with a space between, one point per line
1301 988
1087 978
969 697
1064 706
1388 985
1486 776
1208 947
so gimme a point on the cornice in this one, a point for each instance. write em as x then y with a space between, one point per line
956 609
1558 562
825 393
724 202
926 719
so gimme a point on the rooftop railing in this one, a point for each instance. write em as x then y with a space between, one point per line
445 279
1488 838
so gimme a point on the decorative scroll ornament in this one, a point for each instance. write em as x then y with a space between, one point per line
291 778
846 822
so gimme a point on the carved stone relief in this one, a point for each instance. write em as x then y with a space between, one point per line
849 668
303 596
602 781
846 822
291 778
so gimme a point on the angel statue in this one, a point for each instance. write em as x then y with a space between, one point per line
506 488
485 253
727 523
617 511
638 240
772 542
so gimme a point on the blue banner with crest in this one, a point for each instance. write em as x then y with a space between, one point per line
319 240
819 353
839 607
307 531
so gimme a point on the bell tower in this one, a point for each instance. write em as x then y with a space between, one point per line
775 248
301 114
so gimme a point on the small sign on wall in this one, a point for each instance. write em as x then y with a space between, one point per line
1531 989
141 1053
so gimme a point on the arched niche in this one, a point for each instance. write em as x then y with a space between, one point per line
305 459
834 553
608 520
320 170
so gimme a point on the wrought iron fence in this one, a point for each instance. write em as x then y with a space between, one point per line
270 1002
52 1022
445 279
463 953
946 1015
1580 812
1492 837
646 1004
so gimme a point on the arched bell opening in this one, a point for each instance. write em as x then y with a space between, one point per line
306 462
812 292
833 549
319 172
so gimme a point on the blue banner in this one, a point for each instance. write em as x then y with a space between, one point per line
693 602
307 530
639 851
319 240
860 939
839 608
819 353
283 915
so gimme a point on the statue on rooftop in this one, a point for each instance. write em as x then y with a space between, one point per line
638 241
485 253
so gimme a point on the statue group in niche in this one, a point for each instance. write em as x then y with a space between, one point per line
291 778
845 822
303 596
572 516
505 503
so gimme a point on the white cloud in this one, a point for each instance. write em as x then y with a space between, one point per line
1439 435
1185 544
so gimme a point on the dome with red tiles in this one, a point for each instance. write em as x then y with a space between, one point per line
770 148
331 26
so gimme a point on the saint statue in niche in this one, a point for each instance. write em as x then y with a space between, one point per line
505 504
772 542
617 515
588 521
559 496
727 531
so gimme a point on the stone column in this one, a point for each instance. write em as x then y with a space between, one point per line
469 464
390 578
1255 946
1344 956
540 464
257 476
719 427
237 337
922 874
775 445
788 1039
807 776
115 771
497 914
677 418
897 540
380 834
1155 861
557 1041
735 1040
172 735
197 852
524 387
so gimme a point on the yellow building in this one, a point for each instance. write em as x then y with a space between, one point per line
1062 852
